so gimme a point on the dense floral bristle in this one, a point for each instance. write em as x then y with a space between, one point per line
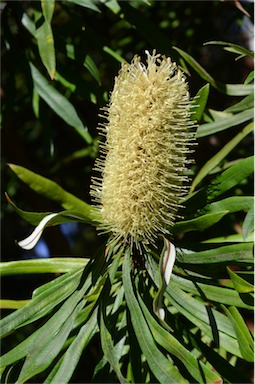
144 159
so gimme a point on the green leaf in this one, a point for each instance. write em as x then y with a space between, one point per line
53 191
231 204
60 105
199 102
48 9
45 38
114 54
161 367
46 48
47 298
246 103
214 293
237 252
65 369
88 61
236 238
51 339
109 350
199 223
197 369
51 265
213 323
241 285
249 78
229 122
92 68
113 5
238 49
91 4
220 155
231 177
248 224
244 338
48 330
228 89
13 304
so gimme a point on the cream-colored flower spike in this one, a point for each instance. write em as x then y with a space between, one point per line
144 159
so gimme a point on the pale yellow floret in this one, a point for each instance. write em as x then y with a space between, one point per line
143 160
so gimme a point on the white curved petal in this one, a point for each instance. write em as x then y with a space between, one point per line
32 240
168 261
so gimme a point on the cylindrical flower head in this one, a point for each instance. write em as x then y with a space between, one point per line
144 159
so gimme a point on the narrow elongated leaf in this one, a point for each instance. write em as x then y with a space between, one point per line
246 103
71 357
42 303
211 292
50 328
231 204
35 218
229 122
229 253
238 49
241 285
213 323
46 47
48 9
228 89
50 341
51 265
114 54
59 103
53 191
236 238
243 335
109 350
220 155
231 177
248 224
199 103
13 304
91 4
92 68
199 223
161 367
197 369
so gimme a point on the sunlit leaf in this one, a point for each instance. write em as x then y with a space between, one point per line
91 4
220 155
199 102
220 125
246 103
51 265
45 40
237 252
235 48
53 191
228 89
65 369
199 223
248 224
162 368
48 9
61 106
198 370
241 285
43 303
243 335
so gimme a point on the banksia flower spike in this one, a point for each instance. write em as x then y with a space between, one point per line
144 159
